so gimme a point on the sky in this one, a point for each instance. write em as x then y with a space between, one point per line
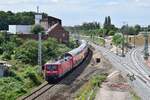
74 12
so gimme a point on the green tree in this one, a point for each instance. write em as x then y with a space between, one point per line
108 26
7 45
137 28
37 29
20 18
27 53
108 20
111 32
130 30
117 39
148 28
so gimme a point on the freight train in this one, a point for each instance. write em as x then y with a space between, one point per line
69 61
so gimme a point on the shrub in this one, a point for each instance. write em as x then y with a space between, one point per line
11 88
97 80
32 75
36 29
111 32
27 52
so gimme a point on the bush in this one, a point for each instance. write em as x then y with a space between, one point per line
27 53
97 80
111 33
11 88
118 39
72 44
32 75
37 29
7 45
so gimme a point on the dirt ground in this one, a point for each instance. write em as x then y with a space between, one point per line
115 88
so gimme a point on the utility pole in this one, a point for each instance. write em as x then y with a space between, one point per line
40 52
38 17
123 46
134 40
127 30
123 42
146 53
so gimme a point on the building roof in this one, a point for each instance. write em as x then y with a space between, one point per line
53 17
4 64
52 27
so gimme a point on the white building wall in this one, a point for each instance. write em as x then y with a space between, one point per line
12 29
20 29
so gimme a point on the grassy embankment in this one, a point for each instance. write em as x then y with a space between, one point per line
24 75
88 90
98 40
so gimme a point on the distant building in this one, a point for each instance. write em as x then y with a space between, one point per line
58 32
49 21
4 66
20 29
53 28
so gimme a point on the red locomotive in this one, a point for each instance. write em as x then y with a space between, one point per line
69 61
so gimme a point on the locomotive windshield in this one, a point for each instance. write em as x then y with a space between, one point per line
52 68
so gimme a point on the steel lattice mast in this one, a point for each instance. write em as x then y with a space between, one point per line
146 51
38 18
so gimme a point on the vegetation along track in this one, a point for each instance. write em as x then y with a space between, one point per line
47 86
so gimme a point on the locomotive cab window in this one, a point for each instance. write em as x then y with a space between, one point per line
52 67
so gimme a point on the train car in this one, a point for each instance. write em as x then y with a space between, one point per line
79 53
68 62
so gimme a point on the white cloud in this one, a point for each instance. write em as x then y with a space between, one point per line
56 1
3 2
78 11
112 3
137 0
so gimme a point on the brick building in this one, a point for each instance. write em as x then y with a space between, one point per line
49 21
58 32
53 28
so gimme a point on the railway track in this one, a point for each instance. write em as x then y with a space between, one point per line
38 92
134 62
142 72
129 66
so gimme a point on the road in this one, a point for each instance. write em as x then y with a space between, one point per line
132 64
